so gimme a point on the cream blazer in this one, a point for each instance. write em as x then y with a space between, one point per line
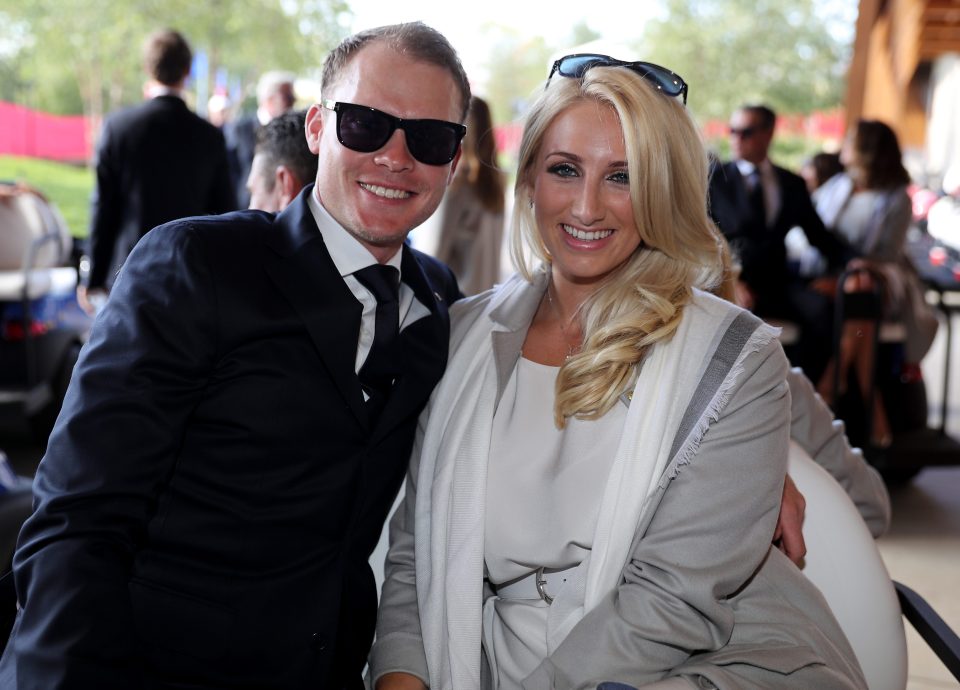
703 594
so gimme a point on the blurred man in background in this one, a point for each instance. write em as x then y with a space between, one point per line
275 96
156 161
282 163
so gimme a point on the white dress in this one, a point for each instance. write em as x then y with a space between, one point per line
544 487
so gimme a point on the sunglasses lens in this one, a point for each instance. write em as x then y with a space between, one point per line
666 80
574 66
363 129
431 141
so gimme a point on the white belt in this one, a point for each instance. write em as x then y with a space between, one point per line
542 583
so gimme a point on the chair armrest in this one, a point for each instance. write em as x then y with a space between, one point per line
931 627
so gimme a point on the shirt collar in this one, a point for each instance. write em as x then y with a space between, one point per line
746 168
347 253
155 90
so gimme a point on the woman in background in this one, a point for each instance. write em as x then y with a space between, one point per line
471 227
819 168
868 206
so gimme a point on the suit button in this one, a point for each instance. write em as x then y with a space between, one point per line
317 643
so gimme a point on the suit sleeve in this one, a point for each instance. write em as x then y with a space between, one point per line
108 461
834 250
710 533
813 427
399 641
106 210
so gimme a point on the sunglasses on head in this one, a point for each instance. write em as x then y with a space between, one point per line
575 66
364 129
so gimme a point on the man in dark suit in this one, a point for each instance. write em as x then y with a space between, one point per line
275 96
755 204
156 162
240 422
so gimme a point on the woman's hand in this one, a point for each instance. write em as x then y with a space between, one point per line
399 681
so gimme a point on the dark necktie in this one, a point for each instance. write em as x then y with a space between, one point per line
380 368
755 195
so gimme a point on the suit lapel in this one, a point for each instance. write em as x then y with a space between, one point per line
299 264
424 346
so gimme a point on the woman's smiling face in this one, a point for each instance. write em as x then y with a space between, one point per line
581 194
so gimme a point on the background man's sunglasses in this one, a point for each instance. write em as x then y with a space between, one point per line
666 81
364 129
744 132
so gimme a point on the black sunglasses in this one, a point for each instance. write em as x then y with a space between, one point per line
666 81
743 132
364 129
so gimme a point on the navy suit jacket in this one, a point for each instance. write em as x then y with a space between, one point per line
213 488
760 247
156 162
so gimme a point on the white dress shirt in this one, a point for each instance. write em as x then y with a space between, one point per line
771 186
350 256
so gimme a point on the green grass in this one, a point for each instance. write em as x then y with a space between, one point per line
68 186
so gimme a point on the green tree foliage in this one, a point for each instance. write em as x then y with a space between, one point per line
519 63
582 33
72 56
518 66
737 51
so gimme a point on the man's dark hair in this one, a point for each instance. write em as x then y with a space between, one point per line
167 57
768 118
415 40
282 142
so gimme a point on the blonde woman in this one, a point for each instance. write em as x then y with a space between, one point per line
596 481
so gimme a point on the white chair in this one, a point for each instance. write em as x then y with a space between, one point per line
843 561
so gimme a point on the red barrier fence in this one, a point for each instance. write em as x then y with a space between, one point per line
826 124
25 132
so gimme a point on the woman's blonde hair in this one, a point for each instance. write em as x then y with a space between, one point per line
641 302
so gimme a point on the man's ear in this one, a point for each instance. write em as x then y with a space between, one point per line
313 127
287 185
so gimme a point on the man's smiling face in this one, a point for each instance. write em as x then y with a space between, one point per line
380 196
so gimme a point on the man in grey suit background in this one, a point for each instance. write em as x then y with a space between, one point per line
275 96
156 161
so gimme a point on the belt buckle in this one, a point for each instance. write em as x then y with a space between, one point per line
541 589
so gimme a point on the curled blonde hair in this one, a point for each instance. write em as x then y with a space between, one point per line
641 302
